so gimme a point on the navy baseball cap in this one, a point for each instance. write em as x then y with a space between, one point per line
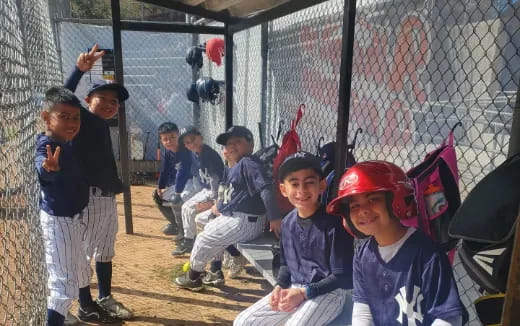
190 130
102 85
299 161
235 131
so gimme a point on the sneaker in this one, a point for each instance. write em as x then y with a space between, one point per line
169 229
95 313
184 282
114 308
70 320
214 279
236 264
183 247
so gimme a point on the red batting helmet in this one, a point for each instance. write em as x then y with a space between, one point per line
215 50
374 176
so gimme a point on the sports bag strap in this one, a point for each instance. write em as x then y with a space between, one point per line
299 115
450 135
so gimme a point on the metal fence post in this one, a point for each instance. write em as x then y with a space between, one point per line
512 299
228 37
345 80
123 134
264 34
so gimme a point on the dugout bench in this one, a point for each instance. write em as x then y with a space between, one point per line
259 254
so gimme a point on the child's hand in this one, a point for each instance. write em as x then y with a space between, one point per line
290 299
274 300
160 192
214 210
86 60
52 162
201 207
276 227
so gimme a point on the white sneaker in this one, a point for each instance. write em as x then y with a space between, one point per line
236 264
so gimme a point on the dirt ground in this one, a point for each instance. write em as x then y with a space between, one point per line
144 269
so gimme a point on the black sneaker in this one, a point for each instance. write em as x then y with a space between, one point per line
183 247
169 229
95 313
184 282
115 308
214 279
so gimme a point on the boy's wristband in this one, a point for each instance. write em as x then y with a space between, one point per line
307 292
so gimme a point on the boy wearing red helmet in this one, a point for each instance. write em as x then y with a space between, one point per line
400 276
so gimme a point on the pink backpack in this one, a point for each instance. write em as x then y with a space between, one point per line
436 183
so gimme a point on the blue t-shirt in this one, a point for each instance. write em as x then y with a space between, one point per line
175 169
210 168
242 187
414 288
316 247
63 192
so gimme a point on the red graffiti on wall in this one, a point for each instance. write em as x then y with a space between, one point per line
377 65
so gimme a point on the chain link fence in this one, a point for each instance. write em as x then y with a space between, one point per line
29 66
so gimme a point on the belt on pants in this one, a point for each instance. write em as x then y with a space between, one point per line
250 218
96 191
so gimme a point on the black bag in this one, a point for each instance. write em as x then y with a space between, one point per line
486 222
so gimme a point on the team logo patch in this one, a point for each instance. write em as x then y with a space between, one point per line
205 177
348 180
227 194
412 310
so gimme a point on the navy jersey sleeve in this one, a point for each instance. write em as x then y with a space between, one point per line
163 175
72 81
341 251
183 168
284 275
41 155
254 176
359 283
441 296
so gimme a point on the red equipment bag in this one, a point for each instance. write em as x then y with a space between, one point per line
290 145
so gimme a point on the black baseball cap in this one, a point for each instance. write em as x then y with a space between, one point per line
190 130
235 131
101 85
299 161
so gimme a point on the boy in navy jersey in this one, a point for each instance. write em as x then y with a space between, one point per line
64 197
400 276
175 183
315 255
247 194
209 169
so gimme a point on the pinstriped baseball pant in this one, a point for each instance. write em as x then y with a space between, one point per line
100 236
62 238
317 311
222 232
189 211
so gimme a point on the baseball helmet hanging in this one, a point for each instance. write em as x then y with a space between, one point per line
194 56
209 90
215 50
191 93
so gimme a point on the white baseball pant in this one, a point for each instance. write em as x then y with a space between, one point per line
101 230
317 311
189 211
222 232
63 237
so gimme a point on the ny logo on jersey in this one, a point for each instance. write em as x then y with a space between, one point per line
412 310
205 177
227 193
178 166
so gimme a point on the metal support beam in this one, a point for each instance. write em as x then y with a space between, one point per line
511 313
192 10
271 14
123 134
345 81
264 34
131 25
228 37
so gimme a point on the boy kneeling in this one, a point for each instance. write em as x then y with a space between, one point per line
315 255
